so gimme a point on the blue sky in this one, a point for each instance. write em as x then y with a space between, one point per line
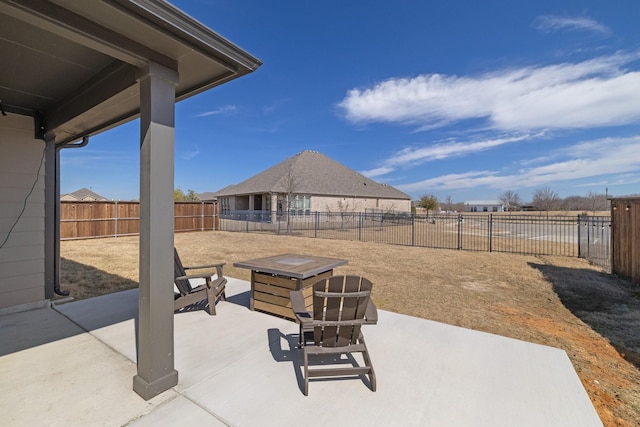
460 99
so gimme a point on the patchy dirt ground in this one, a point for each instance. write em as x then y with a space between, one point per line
558 301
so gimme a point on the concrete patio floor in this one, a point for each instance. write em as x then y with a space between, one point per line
73 364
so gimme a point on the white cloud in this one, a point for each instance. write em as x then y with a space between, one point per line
451 149
371 173
589 159
188 155
222 110
417 155
593 93
550 24
469 179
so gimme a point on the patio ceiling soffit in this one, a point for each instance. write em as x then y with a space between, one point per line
117 40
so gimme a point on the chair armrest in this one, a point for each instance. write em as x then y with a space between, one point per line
371 313
204 275
197 267
207 275
299 308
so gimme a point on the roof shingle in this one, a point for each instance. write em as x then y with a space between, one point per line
314 173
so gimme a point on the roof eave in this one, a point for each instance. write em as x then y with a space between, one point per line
167 18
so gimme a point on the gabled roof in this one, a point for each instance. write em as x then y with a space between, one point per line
86 194
313 173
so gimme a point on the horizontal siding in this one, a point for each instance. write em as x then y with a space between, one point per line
22 256
12 272
35 223
22 253
23 296
36 197
26 152
21 238
13 209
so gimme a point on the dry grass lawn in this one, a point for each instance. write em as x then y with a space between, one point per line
558 301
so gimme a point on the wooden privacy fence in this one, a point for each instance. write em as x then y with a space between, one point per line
625 257
83 220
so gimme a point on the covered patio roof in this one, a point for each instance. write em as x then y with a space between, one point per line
76 64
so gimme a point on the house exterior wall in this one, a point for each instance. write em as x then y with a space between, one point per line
319 204
357 204
22 258
485 207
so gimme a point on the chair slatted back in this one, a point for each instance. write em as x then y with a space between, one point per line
339 305
183 285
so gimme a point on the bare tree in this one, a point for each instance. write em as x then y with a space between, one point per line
597 202
510 199
573 203
448 203
545 199
290 183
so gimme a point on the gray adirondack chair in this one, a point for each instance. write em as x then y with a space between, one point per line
341 305
210 290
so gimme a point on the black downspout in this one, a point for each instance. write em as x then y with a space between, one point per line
56 238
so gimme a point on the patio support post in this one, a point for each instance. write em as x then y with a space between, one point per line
155 351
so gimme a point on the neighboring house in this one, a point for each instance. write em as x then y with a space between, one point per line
485 206
83 195
309 182
70 70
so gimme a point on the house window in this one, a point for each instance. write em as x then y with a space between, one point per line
495 209
224 205
300 205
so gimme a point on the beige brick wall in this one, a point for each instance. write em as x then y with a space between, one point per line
356 204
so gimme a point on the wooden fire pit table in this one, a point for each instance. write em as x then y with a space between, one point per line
272 278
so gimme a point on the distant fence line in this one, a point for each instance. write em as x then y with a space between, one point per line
82 220
582 236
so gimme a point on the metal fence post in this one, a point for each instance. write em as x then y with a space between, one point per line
359 226
460 219
490 228
579 240
316 225
413 229
588 238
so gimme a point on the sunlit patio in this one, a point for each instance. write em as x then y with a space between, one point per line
73 364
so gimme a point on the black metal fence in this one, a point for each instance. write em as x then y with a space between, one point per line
594 237
512 233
